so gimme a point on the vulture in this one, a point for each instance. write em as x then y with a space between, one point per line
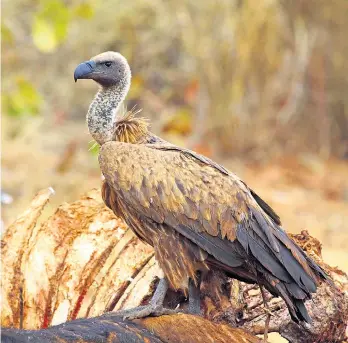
197 215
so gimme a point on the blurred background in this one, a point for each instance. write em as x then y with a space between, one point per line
260 87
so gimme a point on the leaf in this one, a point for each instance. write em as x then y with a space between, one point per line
6 34
191 91
137 87
50 25
84 11
94 148
29 92
26 100
44 35
179 123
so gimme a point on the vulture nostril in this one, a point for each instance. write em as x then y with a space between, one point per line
91 64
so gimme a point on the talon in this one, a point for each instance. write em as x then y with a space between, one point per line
147 311
154 308
268 311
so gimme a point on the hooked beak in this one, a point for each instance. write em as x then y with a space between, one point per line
84 70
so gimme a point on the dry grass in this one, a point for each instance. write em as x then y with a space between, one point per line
249 79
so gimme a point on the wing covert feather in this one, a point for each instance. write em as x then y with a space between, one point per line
205 203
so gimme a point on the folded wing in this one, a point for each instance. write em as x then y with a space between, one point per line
211 207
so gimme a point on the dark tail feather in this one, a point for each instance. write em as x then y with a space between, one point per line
301 311
318 270
296 307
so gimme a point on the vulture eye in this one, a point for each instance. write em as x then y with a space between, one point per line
108 64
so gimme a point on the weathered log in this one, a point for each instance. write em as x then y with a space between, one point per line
83 261
111 328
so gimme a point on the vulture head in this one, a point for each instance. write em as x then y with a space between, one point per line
108 69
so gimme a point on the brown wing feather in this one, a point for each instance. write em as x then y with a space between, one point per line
268 209
208 205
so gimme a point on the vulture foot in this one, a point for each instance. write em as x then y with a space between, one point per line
147 311
268 313
154 308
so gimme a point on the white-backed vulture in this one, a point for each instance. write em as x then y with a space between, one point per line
197 215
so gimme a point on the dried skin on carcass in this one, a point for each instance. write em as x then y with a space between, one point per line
70 266
83 260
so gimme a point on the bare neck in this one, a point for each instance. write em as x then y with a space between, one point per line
102 113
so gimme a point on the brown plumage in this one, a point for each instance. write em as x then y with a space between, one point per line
199 216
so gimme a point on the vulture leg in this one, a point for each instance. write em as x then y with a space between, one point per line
194 297
268 313
154 307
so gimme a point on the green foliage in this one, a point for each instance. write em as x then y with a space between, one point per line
84 11
50 24
24 100
49 29
268 77
93 148
6 34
